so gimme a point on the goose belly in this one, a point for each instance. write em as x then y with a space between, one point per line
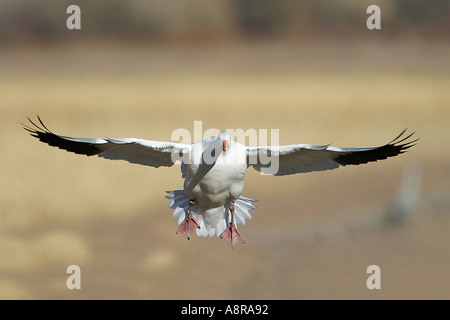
220 184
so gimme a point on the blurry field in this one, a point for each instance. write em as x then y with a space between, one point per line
312 236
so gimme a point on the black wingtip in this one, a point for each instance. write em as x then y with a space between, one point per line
36 127
396 141
398 137
395 147
44 135
43 125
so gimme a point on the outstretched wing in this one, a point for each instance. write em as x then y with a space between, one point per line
140 151
300 158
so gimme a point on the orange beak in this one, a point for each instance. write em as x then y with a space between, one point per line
224 145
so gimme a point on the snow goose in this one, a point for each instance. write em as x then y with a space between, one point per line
214 169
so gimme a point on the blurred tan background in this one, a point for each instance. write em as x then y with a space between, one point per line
145 68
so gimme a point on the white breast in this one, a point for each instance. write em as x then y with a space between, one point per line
214 176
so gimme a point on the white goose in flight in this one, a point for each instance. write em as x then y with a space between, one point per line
214 170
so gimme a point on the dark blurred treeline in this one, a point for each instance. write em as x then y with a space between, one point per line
197 20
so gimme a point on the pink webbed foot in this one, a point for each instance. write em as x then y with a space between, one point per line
231 234
189 224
